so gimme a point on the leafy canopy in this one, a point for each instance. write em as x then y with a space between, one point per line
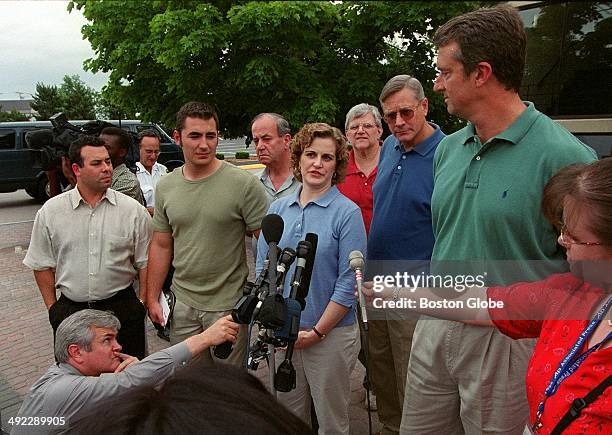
310 61
73 97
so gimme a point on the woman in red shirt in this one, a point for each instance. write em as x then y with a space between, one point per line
568 313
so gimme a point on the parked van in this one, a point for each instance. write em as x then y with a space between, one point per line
19 168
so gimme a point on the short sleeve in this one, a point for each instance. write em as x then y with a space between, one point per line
352 238
40 252
160 218
255 204
521 314
143 231
262 246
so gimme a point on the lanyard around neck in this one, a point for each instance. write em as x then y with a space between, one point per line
570 363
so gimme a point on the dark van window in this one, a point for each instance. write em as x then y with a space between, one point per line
569 58
7 139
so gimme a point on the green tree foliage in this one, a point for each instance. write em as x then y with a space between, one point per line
79 100
73 97
47 100
13 115
310 61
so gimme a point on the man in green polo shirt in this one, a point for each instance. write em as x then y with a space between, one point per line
488 182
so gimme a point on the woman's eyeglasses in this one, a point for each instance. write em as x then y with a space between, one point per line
567 239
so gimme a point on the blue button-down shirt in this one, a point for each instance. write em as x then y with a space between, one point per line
401 223
338 223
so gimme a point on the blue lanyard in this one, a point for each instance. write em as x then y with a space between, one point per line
570 364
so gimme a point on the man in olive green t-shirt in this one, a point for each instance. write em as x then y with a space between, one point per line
203 211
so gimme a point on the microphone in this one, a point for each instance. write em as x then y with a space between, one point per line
272 227
285 260
356 264
285 379
302 251
302 292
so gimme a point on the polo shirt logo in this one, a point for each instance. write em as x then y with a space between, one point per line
504 194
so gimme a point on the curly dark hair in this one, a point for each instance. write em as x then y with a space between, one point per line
303 139
123 136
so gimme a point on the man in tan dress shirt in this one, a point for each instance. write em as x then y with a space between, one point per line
89 243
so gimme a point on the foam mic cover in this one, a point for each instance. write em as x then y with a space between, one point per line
302 292
39 139
272 227
356 260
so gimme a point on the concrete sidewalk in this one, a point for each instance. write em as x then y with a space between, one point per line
26 336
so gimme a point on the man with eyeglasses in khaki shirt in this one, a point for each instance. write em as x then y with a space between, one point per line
90 243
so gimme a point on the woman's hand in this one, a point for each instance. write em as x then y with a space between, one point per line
306 339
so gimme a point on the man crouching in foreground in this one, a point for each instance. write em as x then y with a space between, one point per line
91 369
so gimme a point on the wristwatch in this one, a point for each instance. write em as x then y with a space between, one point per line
321 336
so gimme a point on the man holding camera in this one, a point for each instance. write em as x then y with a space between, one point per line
89 243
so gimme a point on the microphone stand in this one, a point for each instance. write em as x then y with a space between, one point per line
364 346
356 264
271 361
270 332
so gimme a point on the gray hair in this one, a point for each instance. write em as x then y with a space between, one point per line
148 132
78 329
402 81
361 110
282 125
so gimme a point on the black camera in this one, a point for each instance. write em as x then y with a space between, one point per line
53 143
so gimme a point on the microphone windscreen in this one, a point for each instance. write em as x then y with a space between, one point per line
39 139
356 260
287 257
272 227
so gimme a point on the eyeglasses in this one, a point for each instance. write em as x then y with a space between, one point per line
566 239
364 125
407 113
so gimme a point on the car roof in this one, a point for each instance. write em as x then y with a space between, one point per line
75 122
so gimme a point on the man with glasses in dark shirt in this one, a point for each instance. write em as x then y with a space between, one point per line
401 230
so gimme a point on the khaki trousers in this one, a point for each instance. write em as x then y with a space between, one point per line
188 321
389 343
465 376
323 371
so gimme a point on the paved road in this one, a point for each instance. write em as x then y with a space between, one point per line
17 211
26 337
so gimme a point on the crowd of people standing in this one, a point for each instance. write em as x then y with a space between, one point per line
418 201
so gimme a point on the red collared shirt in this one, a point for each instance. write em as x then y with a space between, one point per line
358 188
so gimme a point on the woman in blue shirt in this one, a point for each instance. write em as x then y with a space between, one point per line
328 341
